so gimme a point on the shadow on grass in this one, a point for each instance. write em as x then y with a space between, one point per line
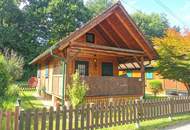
29 101
157 124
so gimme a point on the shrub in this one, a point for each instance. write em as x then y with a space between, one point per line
15 64
4 76
13 91
77 90
156 86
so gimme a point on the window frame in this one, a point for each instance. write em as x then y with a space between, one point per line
112 67
91 35
82 62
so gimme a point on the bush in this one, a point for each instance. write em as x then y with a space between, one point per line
15 64
156 86
9 99
4 76
13 91
77 90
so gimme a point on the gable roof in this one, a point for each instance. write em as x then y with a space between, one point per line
151 53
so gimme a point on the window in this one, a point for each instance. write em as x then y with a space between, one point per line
46 71
39 71
129 74
90 37
149 75
107 69
57 68
82 67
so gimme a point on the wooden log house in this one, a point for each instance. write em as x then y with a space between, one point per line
96 50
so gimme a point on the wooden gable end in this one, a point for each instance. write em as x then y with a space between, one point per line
111 32
113 28
118 30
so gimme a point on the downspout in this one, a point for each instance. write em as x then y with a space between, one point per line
63 71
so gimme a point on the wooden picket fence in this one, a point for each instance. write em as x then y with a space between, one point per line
89 117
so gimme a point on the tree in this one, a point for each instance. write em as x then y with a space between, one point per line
40 23
64 16
77 90
152 25
97 6
174 60
155 86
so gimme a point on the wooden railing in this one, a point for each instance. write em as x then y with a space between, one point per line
57 84
95 116
113 86
105 85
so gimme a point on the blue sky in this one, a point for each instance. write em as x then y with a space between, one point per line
180 8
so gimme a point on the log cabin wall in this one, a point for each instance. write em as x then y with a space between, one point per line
95 65
47 82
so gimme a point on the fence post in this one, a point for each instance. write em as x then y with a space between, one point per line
171 105
17 111
137 113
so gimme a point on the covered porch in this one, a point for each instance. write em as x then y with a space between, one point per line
101 85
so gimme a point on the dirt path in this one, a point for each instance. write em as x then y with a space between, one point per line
46 103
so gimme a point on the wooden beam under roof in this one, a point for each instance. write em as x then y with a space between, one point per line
85 53
114 34
101 47
118 32
104 35
108 34
124 22
109 52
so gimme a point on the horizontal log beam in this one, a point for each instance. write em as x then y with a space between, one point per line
108 52
101 47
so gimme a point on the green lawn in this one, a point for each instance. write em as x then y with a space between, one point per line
153 124
29 101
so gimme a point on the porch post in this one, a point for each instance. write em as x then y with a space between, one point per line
143 74
66 74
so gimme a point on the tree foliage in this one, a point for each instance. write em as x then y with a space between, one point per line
152 25
5 76
174 52
155 86
77 90
65 16
97 6
40 23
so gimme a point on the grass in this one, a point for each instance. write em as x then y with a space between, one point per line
150 96
28 101
153 124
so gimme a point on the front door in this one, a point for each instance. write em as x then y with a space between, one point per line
107 69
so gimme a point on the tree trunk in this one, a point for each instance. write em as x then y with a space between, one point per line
188 88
